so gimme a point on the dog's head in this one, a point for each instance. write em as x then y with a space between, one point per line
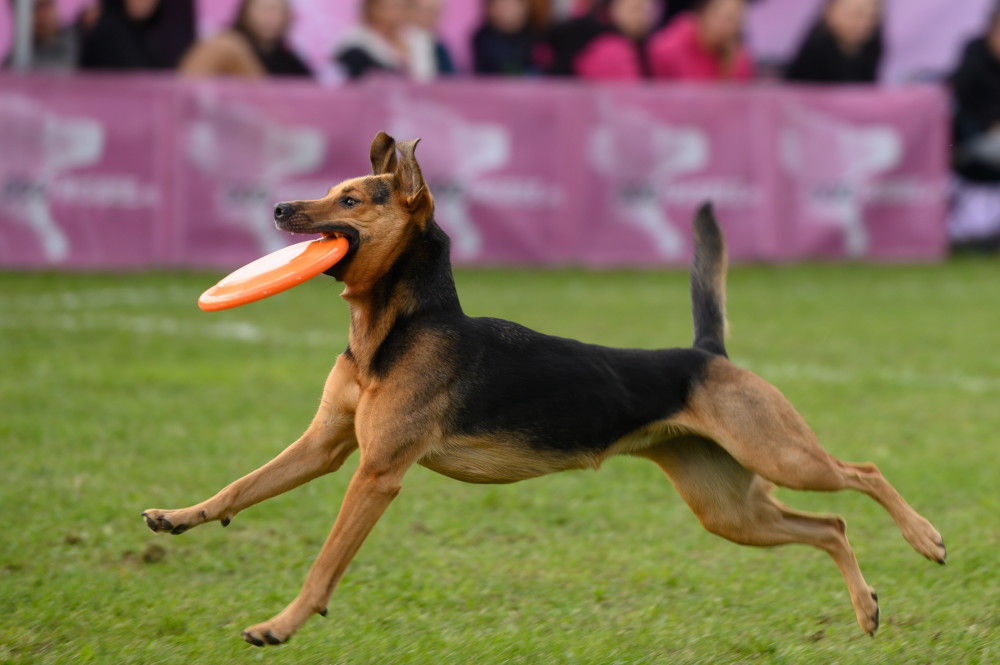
378 214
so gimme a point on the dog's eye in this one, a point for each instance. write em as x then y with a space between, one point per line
349 202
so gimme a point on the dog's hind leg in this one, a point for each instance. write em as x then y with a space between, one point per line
754 422
735 503
323 448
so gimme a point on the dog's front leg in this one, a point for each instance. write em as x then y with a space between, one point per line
372 489
323 448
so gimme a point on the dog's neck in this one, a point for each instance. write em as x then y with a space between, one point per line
419 283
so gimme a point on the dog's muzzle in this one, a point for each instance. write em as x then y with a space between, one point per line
283 212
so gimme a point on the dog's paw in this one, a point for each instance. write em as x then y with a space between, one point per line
926 540
866 608
260 638
279 629
176 521
271 632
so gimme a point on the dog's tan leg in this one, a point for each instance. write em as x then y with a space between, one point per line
735 503
393 433
323 448
754 422
370 492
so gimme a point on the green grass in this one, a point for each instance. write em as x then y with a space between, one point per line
117 394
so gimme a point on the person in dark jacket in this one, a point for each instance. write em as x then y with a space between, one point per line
976 88
506 42
385 44
567 39
139 34
844 46
265 24
254 47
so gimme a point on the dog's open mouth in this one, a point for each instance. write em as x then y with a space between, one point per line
353 240
340 231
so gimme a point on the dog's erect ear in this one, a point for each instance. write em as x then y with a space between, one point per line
383 154
411 181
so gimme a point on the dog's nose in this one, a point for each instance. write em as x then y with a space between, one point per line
282 212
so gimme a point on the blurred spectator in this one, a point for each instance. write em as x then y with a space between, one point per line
618 50
844 46
506 42
674 8
568 38
425 14
704 44
139 34
542 13
384 43
53 46
974 221
976 86
254 47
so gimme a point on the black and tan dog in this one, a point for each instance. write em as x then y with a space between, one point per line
489 401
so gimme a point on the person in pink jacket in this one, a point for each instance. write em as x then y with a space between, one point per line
705 44
617 52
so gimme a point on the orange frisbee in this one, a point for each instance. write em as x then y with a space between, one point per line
274 273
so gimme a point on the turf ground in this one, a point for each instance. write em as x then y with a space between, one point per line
117 394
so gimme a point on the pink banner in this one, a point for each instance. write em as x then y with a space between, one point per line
138 172
85 169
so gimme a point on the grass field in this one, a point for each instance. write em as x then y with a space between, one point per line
117 394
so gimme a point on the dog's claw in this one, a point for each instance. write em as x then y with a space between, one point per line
158 523
257 642
875 618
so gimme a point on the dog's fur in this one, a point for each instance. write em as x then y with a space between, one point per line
489 401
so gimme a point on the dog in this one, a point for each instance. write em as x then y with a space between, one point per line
489 401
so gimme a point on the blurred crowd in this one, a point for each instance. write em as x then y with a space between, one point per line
588 39
584 39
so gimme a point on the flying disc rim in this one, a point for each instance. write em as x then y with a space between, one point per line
274 273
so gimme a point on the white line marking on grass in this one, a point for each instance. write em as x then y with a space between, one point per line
235 331
900 377
101 298
251 333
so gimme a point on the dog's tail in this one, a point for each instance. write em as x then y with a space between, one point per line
708 283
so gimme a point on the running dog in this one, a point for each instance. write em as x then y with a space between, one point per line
489 401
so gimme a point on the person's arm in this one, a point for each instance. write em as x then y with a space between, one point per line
298 66
356 63
808 64
485 59
224 55
968 78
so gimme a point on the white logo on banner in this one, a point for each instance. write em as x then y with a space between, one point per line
249 156
837 163
456 160
36 147
645 158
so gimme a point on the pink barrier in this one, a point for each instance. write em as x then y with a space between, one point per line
131 173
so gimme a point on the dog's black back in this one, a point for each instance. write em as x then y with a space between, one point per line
562 394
